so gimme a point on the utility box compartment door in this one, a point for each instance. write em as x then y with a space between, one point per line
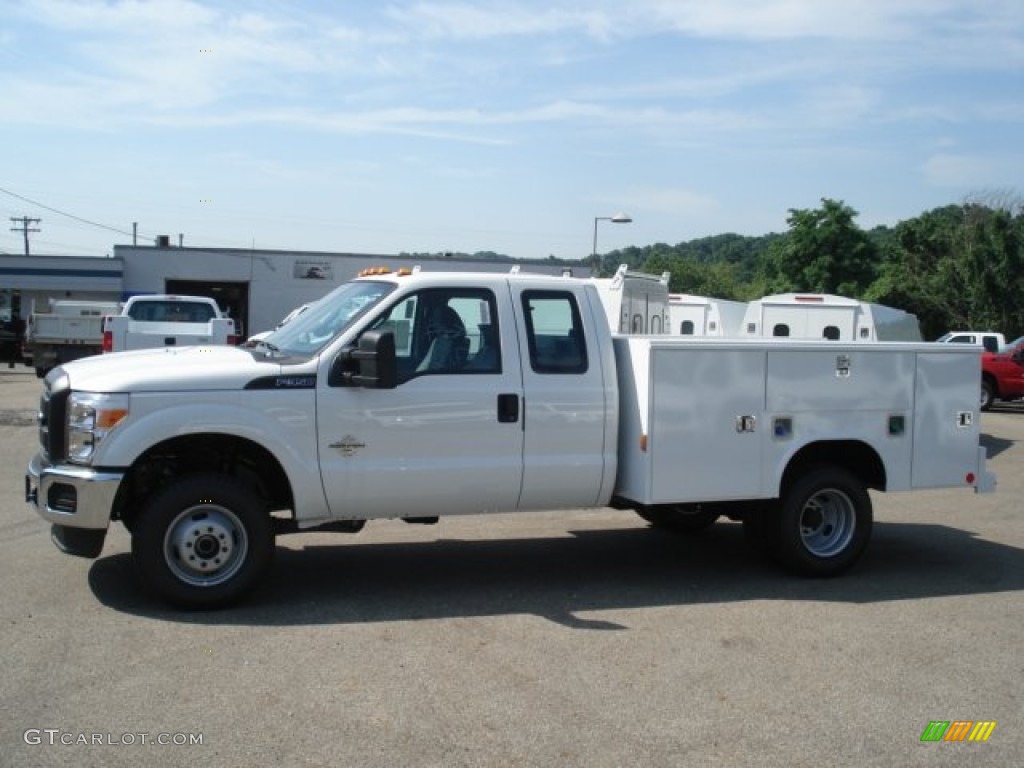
706 423
844 378
946 418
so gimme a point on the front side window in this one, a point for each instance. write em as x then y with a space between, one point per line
554 332
444 331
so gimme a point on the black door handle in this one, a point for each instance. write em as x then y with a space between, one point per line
508 408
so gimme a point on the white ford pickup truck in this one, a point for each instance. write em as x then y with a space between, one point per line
164 320
412 396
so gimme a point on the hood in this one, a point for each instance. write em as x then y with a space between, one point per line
216 367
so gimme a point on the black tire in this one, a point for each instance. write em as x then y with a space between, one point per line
203 542
824 523
40 373
678 519
988 394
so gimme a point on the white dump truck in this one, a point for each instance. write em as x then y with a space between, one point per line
68 331
414 396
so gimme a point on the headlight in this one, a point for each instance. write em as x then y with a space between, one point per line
91 417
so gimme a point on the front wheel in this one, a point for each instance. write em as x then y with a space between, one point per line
203 542
824 523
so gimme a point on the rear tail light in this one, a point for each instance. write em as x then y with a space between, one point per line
108 341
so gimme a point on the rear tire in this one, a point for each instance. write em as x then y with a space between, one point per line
203 542
824 523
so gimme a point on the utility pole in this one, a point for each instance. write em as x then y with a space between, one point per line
25 228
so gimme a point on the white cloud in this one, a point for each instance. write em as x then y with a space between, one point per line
135 16
962 170
489 20
787 19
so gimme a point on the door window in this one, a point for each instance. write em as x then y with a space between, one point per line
554 332
444 331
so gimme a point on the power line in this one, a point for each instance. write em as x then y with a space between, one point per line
65 213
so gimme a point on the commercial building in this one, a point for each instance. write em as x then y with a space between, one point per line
255 287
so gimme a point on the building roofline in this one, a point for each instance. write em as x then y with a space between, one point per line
348 254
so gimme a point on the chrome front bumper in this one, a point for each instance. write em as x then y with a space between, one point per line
75 497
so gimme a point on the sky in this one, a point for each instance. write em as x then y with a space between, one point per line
514 127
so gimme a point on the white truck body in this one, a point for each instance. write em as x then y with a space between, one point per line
635 302
827 316
162 320
693 315
415 396
69 331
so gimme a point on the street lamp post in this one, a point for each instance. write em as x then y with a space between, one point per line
618 218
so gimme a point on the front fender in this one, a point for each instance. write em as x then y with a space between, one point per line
283 422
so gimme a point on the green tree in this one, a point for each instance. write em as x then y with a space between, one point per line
825 252
957 267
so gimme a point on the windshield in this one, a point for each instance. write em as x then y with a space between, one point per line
311 331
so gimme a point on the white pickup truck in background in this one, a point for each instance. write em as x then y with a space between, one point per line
161 320
991 341
412 396
70 330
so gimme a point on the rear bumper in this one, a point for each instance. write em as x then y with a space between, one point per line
74 497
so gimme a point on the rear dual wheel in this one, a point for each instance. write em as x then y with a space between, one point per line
821 526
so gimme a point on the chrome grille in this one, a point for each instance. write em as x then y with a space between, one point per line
52 416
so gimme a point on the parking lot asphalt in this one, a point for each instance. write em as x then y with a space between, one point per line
579 638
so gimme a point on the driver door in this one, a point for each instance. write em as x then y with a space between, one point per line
449 438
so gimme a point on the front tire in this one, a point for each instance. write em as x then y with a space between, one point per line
824 523
203 542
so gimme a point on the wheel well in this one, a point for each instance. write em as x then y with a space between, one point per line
189 454
993 383
852 455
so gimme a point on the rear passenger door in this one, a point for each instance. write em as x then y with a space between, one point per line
565 410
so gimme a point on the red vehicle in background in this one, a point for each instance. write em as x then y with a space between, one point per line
1002 374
